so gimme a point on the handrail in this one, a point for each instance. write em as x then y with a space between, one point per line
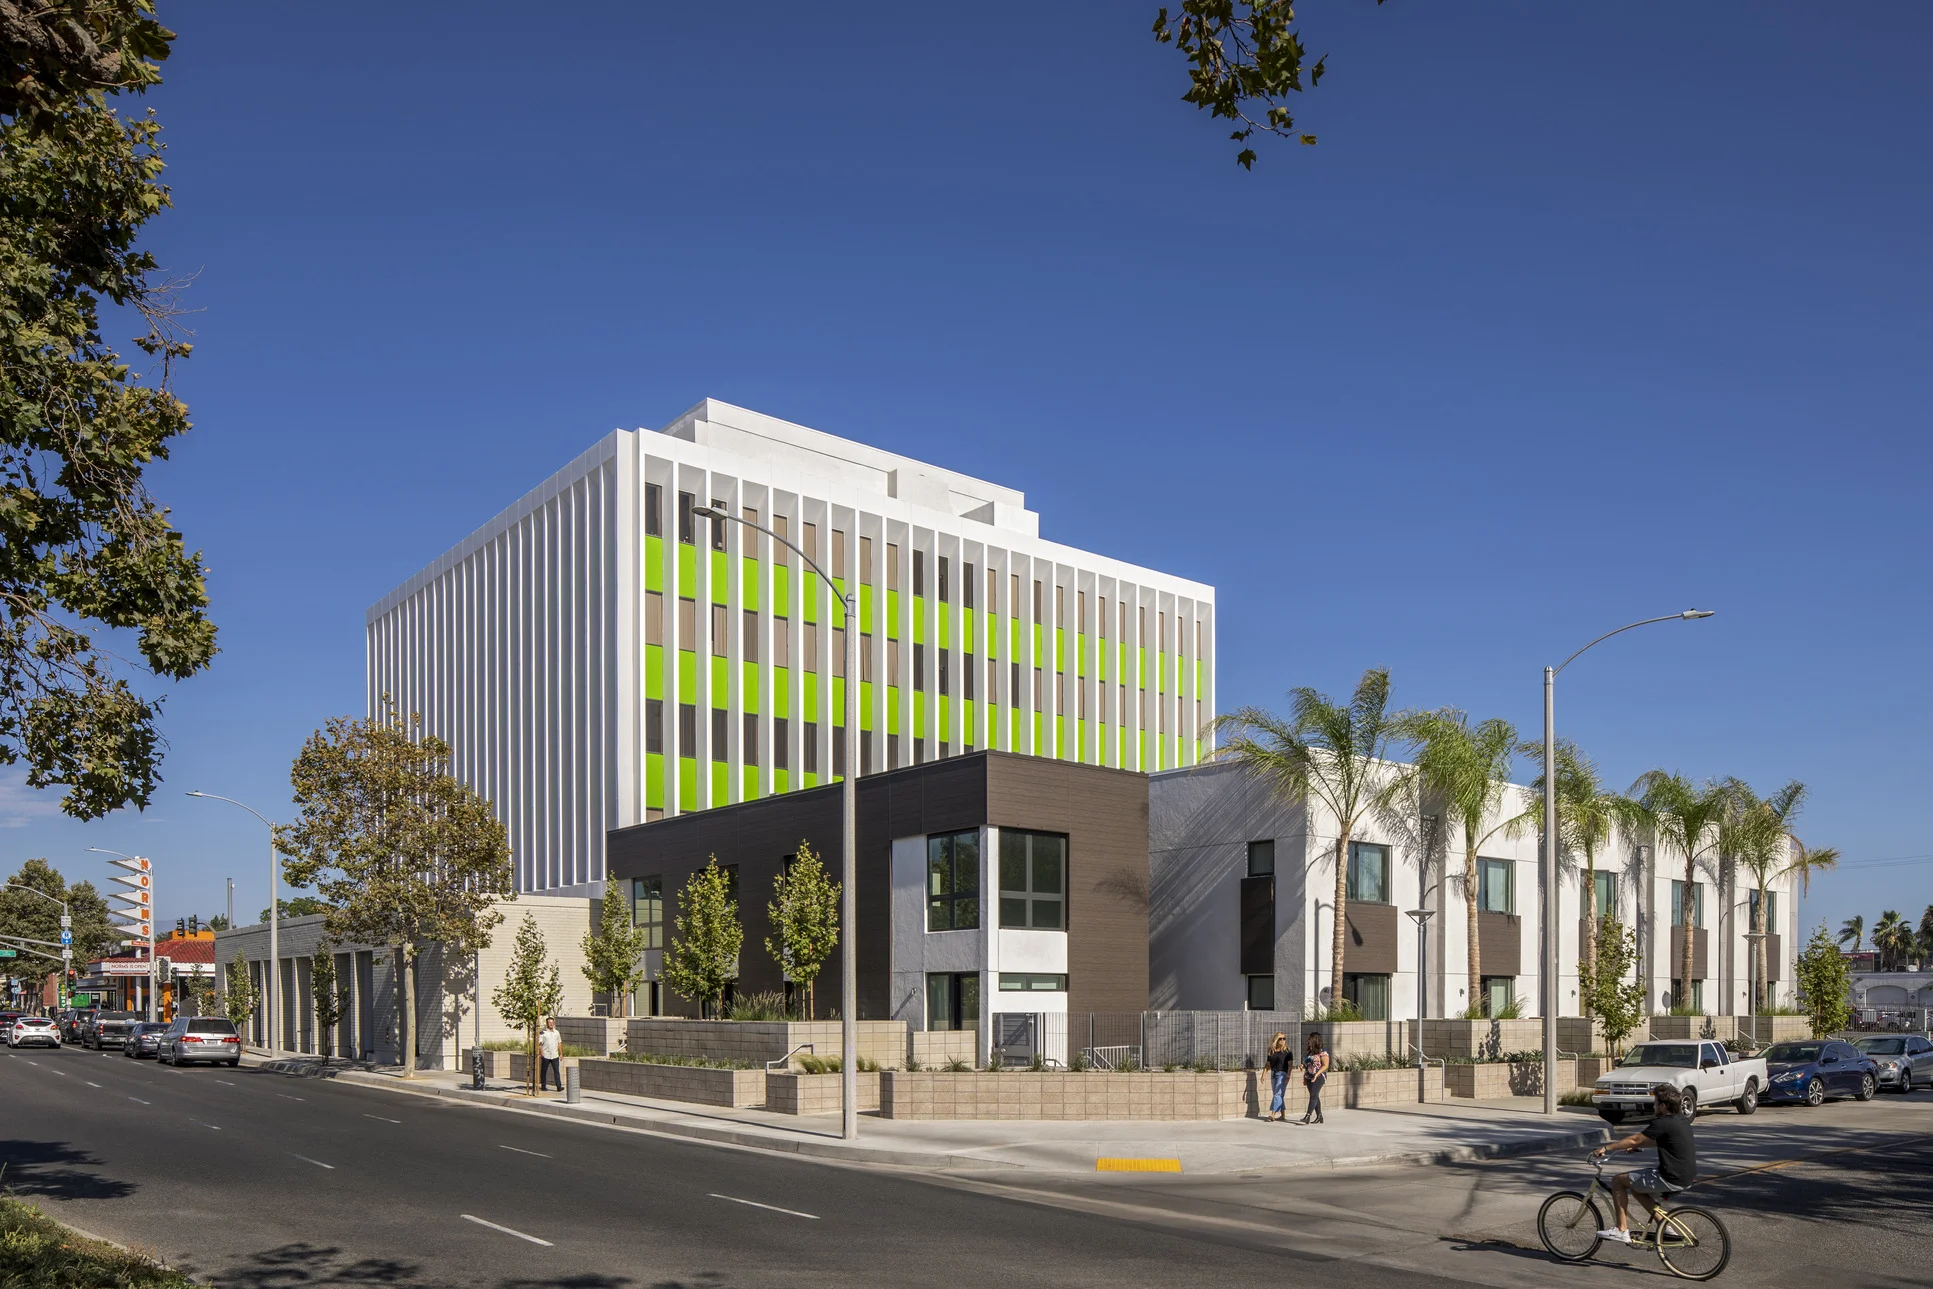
1442 1063
787 1058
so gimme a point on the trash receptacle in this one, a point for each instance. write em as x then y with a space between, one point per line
572 1092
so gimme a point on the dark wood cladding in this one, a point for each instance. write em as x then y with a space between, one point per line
1700 952
1105 816
1772 957
1258 926
1369 948
1500 944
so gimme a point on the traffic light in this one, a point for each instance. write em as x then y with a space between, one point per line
194 923
181 926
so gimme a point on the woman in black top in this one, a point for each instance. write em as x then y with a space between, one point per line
1280 1062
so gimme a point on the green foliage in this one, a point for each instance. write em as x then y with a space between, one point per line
401 852
1577 1096
1853 929
1243 63
694 1062
957 1065
614 952
1338 1011
1926 934
702 958
1685 817
83 544
804 915
1895 941
37 1252
331 997
28 916
240 994
300 906
769 1005
1825 984
532 989
219 922
1617 1002
1363 1061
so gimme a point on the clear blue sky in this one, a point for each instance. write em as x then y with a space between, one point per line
1577 314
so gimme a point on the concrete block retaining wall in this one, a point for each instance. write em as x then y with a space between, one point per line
693 1083
1471 1039
598 1033
1501 1079
816 1093
510 1065
1026 1095
1695 1027
934 1047
759 1041
1766 1030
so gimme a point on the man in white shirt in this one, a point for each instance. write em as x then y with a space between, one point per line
550 1046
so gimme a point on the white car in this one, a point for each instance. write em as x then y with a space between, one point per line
1703 1071
33 1031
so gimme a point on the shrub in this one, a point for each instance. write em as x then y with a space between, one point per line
1342 1010
957 1066
1366 1062
1077 1063
770 1005
37 1252
913 1065
698 1062
1576 1096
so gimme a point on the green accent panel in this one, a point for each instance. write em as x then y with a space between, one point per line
719 563
865 608
748 583
1040 641
1060 736
919 714
919 619
1141 668
865 704
892 615
992 636
654 780
810 707
1013 637
781 690
893 723
718 689
748 790
654 671
687 672
1040 732
946 716
839 702
687 783
946 630
721 782
809 592
1080 655
1014 727
1060 650
687 565
781 590
970 627
838 606
810 780
654 564
781 781
748 689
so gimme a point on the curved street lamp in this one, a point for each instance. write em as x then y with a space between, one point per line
271 1003
1549 865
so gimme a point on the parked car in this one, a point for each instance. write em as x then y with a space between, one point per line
1706 1074
200 1038
144 1039
1905 1062
32 1031
1816 1069
106 1029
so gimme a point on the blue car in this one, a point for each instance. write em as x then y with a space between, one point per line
1819 1068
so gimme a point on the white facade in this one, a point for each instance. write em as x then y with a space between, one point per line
598 657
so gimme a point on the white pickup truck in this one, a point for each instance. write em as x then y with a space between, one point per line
1703 1071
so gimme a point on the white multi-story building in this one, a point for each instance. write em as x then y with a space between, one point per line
598 656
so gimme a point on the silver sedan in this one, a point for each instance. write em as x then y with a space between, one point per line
1905 1060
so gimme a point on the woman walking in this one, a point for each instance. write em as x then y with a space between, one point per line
1315 1068
1280 1059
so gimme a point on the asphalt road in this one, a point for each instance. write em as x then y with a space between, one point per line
247 1178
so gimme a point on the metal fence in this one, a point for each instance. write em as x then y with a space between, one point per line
1226 1040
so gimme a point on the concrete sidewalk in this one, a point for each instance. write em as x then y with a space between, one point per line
1436 1133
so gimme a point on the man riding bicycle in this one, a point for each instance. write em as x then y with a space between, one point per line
1677 1168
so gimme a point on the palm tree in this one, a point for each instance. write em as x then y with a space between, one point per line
1926 935
1331 752
1757 835
1466 768
1686 817
1854 929
1891 936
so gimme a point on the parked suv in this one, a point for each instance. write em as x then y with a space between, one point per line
200 1038
70 1022
106 1029
1905 1060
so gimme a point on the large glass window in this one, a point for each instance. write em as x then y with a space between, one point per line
1261 993
1369 993
647 909
1033 880
1496 886
953 1000
1678 904
1771 922
1368 872
953 881
1032 982
1607 895
653 510
1498 993
1261 858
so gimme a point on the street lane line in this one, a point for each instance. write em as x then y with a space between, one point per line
286 1097
92 1084
192 1119
506 1230
224 1081
62 1073
142 1102
317 1162
540 1154
382 1117
789 1212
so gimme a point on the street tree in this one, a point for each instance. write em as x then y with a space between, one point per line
1825 984
804 915
702 959
1853 929
30 917
300 906
240 995
331 996
1684 817
1330 753
614 951
1464 769
1894 940
85 548
1756 834
1616 1001
532 989
403 854
1926 935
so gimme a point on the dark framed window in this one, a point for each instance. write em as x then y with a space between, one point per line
967 671
966 587
687 729
718 733
1033 880
865 751
654 617
654 725
1033 982
653 510
839 751
953 1000
748 637
687 622
781 743
1369 874
946 676
953 881
686 504
1261 993
1607 895
919 572
718 527
1370 994
809 747
1496 886
943 582
1697 904
748 745
647 908
1771 922
1498 993
1261 858
919 665
893 761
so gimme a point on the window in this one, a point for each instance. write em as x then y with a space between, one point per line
1013 595
686 502
865 751
654 617
1771 922
718 527
1607 895
1033 982
993 591
967 670
892 662
718 717
1080 618
749 546
1060 694
809 747
748 743
654 725
687 622
1261 858
945 675
1141 625
1697 904
1036 601
892 566
993 680
953 1000
718 631
953 881
812 542
919 572
1037 688
1369 993
687 729
1013 692
839 751
647 909
1161 624
866 560
1368 873
1261 993
781 641
1100 618
1498 993
1033 880
1081 690
781 739
865 659
653 510
748 638
838 568
839 652
919 666
812 646
943 586
1677 998
966 588
1496 886
893 761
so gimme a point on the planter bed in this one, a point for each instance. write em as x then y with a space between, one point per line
510 1065
699 1084
756 1042
1024 1094
816 1093
1488 1079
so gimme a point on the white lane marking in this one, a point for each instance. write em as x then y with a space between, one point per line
142 1102
62 1073
92 1084
317 1162
286 1097
790 1212
383 1118
224 1081
540 1154
506 1230
192 1119
35 1063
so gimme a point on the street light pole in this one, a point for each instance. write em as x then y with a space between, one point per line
849 846
1549 874
272 1004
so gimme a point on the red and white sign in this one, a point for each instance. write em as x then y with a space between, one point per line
126 967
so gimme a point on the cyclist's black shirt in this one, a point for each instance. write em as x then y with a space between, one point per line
1677 1156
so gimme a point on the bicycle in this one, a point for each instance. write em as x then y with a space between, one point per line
1691 1242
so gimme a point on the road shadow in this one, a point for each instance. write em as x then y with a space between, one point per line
318 1266
56 1170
